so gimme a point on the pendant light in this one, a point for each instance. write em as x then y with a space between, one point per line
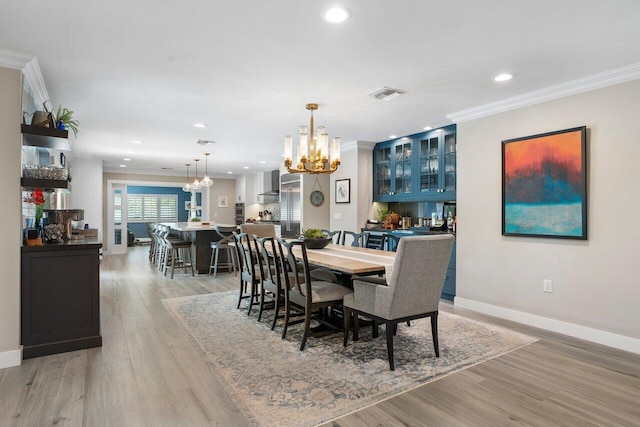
187 186
196 181
206 181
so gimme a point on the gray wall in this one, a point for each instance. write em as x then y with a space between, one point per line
596 282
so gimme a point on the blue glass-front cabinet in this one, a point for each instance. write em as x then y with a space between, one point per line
393 170
420 167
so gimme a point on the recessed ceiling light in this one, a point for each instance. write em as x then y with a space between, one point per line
123 166
136 142
199 125
126 159
336 15
404 138
245 167
131 152
503 77
392 136
428 128
262 162
229 172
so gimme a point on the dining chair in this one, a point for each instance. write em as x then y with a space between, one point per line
391 242
334 235
305 294
272 284
373 240
225 237
412 292
249 271
357 238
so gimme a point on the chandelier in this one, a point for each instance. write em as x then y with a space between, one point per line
313 155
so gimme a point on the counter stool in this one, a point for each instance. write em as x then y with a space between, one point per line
226 237
179 254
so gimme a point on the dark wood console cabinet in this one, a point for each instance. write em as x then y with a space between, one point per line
60 286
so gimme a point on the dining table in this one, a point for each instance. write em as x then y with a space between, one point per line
351 260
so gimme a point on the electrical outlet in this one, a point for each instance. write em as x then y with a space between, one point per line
337 216
215 214
547 285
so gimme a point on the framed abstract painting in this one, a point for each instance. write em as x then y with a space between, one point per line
544 185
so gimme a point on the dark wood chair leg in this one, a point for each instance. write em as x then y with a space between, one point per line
287 311
242 287
389 327
356 326
395 328
261 305
345 328
276 310
251 298
307 327
434 333
374 331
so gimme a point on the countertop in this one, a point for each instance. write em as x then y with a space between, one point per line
184 226
69 245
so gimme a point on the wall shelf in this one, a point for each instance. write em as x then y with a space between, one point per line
44 184
39 136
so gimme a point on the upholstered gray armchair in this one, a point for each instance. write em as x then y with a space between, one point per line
412 290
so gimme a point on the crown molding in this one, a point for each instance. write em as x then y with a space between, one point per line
30 69
353 145
585 84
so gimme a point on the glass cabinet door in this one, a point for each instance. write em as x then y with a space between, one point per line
429 164
403 168
450 162
383 170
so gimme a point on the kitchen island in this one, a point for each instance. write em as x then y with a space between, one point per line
201 237
60 297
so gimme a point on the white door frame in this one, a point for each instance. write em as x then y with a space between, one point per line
113 248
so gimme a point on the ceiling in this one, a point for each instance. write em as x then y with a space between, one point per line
147 70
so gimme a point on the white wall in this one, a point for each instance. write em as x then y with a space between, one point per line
596 284
86 191
223 187
356 164
10 226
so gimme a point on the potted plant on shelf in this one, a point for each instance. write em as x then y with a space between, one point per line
314 238
64 120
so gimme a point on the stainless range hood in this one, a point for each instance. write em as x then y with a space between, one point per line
271 184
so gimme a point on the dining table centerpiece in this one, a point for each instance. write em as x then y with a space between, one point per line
314 238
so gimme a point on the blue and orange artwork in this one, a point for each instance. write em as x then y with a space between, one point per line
544 188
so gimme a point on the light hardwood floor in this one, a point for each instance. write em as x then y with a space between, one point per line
148 373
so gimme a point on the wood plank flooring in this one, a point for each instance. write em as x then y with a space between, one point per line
148 374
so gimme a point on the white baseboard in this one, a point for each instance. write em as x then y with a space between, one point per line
10 358
589 334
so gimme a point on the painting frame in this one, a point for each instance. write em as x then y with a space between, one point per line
223 202
544 185
343 191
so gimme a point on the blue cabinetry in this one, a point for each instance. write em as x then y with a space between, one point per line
420 167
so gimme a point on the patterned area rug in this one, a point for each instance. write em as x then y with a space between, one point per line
275 384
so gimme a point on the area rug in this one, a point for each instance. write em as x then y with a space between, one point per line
274 384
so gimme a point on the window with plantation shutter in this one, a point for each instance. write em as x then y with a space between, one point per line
152 207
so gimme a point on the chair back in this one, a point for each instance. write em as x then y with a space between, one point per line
290 267
417 278
391 242
358 238
260 230
334 235
225 233
373 241
268 261
246 257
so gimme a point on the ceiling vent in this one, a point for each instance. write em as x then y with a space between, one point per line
387 93
204 142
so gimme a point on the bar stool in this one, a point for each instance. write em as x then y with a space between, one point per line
177 252
226 237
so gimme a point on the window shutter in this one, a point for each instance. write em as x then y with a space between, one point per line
134 207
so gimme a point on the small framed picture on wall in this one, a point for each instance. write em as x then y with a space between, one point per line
343 191
223 202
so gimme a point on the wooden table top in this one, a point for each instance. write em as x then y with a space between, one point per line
351 260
